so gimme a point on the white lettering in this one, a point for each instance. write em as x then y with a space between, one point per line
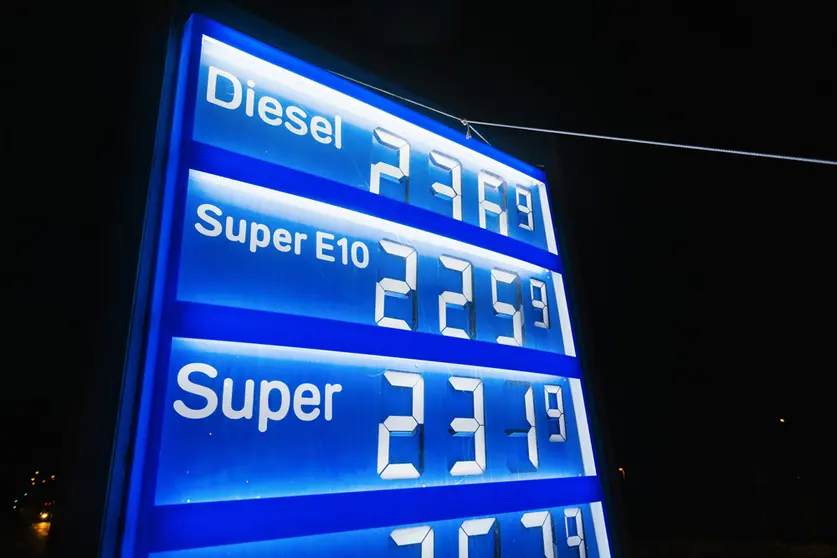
211 88
322 245
338 132
320 125
300 399
343 244
330 390
225 90
203 211
246 410
188 386
360 254
265 412
242 230
248 104
261 235
270 111
296 116
298 238
255 241
306 400
282 240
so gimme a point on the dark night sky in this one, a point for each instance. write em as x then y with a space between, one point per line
707 277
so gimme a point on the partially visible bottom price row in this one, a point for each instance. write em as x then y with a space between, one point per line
564 532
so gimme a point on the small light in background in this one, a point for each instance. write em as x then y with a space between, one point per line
44 515
26 494
782 420
52 477
43 481
33 478
36 472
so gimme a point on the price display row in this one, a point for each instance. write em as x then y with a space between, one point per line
562 532
255 421
252 247
247 106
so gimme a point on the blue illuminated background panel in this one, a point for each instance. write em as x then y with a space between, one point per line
360 341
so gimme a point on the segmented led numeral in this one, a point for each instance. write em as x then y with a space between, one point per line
542 519
452 191
577 540
403 288
556 413
523 197
463 300
472 425
476 528
485 180
515 310
540 302
416 535
401 173
395 424
531 432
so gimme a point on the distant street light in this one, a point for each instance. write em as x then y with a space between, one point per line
622 470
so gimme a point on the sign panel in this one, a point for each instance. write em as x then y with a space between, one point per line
360 342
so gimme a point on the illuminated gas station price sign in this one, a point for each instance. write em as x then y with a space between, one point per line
360 342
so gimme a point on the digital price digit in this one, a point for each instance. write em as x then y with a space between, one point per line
473 425
402 288
523 197
409 536
453 191
542 520
575 534
530 433
513 310
401 173
412 424
540 301
487 180
556 413
476 528
462 300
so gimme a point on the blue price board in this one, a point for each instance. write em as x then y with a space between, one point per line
360 342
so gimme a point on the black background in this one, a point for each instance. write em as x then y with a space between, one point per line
707 279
